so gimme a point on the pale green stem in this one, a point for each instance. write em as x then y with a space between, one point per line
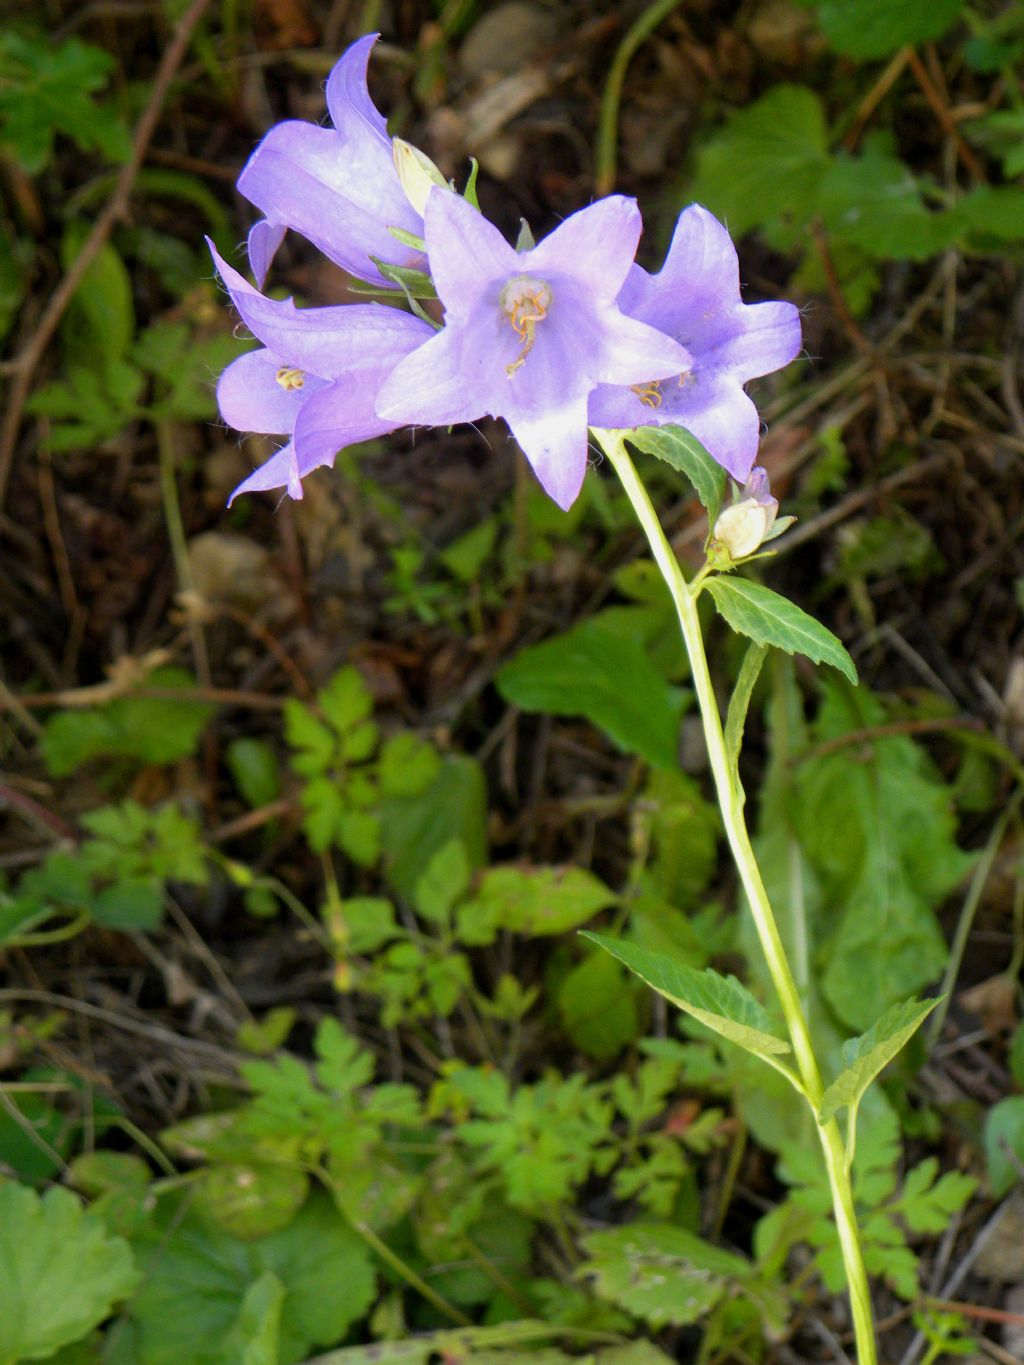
731 803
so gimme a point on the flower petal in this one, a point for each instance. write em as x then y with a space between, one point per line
466 253
600 241
556 446
701 257
342 194
251 399
711 405
324 341
264 239
637 353
767 337
280 471
347 92
340 415
436 385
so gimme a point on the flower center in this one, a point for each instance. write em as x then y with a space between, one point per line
290 379
525 302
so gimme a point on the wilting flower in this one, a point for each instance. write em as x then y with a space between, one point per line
315 379
744 526
695 298
337 186
529 335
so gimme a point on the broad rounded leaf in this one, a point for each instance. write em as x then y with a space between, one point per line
767 161
1004 1144
60 1273
660 1272
541 900
323 1265
874 28
609 679
251 1200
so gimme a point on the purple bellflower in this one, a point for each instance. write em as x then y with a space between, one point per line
695 298
315 379
337 186
529 335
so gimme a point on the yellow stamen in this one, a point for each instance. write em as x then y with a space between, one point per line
649 394
290 379
525 302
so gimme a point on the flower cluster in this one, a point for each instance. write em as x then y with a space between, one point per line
554 338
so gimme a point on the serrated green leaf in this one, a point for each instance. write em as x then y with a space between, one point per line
255 769
443 882
606 678
767 161
254 1336
250 1200
873 28
148 729
598 1007
719 1002
345 699
678 448
101 315
871 1052
994 211
46 89
770 619
881 836
60 1273
407 765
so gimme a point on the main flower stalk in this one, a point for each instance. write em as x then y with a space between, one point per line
731 804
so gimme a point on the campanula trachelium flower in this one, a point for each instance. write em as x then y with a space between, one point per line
695 298
337 186
315 379
529 335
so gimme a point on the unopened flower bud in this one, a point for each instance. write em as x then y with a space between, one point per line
742 528
417 173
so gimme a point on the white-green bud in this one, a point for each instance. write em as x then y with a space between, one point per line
742 527
417 173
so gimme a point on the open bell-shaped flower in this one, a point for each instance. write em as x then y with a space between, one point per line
529 335
337 186
695 298
315 379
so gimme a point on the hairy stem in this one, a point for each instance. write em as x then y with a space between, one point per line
730 800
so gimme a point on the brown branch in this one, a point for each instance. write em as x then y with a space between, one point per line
25 364
945 118
103 693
